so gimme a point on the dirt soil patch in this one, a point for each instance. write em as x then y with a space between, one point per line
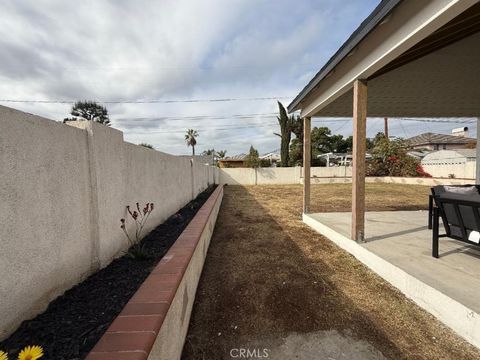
75 321
270 281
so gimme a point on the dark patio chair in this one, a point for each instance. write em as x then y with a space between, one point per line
460 216
441 189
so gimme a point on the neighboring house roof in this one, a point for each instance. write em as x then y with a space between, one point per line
272 156
239 157
432 138
377 16
418 154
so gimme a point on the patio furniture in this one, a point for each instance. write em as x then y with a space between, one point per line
460 216
468 189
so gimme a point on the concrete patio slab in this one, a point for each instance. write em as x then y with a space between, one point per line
402 238
398 248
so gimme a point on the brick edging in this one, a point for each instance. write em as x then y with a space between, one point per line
132 334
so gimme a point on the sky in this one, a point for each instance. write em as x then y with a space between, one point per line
142 50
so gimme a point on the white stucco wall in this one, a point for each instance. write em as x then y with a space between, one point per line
447 163
237 176
333 171
269 176
63 191
272 176
336 175
459 171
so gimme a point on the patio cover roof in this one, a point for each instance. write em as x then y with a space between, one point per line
408 58
420 59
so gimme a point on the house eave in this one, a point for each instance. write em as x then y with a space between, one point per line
376 17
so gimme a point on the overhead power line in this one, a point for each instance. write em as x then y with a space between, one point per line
253 125
274 115
151 101
211 128
201 117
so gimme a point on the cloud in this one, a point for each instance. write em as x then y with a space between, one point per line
172 49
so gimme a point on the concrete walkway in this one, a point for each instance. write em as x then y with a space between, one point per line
319 345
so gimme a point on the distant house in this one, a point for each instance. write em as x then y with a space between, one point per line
273 158
458 163
419 154
232 161
339 159
432 141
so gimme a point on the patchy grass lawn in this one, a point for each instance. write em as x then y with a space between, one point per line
379 197
267 276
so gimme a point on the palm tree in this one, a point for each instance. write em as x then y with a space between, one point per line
221 154
190 138
209 152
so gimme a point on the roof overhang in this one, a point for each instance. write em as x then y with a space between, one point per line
420 59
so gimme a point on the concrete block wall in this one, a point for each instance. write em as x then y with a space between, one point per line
63 191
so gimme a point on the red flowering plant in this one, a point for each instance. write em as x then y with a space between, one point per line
140 217
390 158
421 171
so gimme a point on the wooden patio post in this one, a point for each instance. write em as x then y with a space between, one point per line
359 150
307 124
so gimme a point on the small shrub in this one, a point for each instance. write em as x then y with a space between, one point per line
252 160
137 250
148 146
451 176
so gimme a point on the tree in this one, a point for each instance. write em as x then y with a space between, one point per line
252 160
321 142
221 154
296 152
149 146
285 134
208 152
191 139
90 110
296 146
324 142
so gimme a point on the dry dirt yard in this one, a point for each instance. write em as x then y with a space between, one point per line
269 282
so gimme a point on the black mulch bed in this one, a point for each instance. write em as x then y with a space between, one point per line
75 321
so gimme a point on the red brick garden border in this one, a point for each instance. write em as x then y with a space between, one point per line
132 334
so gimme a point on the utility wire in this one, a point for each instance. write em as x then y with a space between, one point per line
216 129
201 117
256 125
274 116
152 101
